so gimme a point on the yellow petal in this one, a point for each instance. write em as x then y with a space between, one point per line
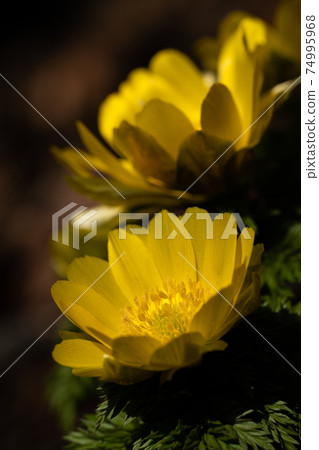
248 300
220 253
181 72
244 250
147 156
80 354
207 49
197 160
230 22
254 265
219 114
185 78
134 350
199 225
111 164
121 374
113 111
85 307
287 21
144 85
79 162
243 256
238 69
135 271
246 303
141 86
179 352
166 254
223 310
255 31
256 255
90 325
216 346
95 272
211 318
166 123
244 247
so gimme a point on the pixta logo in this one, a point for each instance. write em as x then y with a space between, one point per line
73 220
181 225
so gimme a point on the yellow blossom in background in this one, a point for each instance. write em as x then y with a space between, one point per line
158 304
169 122
283 38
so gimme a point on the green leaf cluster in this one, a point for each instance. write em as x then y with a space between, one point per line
277 426
245 397
66 393
282 273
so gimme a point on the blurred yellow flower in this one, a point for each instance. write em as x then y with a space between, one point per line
283 38
160 303
168 123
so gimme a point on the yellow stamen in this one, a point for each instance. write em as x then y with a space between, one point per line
165 313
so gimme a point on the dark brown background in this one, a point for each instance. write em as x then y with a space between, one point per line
64 57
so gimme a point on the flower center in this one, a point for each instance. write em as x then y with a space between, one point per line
167 313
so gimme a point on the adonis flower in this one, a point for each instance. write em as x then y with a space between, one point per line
158 304
170 122
283 37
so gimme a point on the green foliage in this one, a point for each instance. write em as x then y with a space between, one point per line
66 393
277 426
281 273
244 397
111 434
283 424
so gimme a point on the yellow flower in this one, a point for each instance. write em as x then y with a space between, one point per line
283 38
158 304
285 35
168 123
